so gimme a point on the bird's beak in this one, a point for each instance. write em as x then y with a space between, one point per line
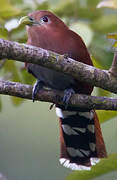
26 20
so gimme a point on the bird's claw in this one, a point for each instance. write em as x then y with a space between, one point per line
67 95
37 86
66 56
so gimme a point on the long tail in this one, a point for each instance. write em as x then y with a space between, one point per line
81 139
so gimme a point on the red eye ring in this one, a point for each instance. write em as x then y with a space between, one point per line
45 19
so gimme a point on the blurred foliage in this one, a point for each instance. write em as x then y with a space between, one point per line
113 36
92 19
7 10
109 164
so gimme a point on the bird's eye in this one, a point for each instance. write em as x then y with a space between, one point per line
45 19
31 18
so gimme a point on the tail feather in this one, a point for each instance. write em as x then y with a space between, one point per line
100 146
80 148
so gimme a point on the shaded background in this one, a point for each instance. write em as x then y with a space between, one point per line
29 132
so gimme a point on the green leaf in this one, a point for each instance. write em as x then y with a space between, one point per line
106 115
96 63
105 166
102 92
115 44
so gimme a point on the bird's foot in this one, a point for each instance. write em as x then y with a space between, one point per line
66 56
37 86
67 95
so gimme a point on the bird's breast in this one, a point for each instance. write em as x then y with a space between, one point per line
51 78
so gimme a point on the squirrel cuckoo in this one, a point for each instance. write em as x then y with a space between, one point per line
81 139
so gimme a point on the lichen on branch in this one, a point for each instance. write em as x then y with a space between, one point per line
85 73
77 100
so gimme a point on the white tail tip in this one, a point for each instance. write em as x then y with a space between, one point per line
74 166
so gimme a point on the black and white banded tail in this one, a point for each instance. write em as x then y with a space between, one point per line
79 147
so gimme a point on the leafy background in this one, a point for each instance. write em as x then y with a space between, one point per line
29 132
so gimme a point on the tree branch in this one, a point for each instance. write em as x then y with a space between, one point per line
80 71
77 100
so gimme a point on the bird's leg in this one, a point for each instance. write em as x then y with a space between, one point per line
67 95
37 86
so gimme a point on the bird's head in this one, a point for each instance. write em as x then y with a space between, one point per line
44 29
42 19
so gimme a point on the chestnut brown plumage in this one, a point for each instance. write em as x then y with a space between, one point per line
80 134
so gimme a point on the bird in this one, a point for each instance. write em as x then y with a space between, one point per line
81 139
